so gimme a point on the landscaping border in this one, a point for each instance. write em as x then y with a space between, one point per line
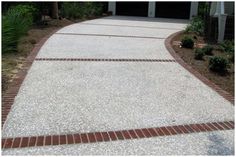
91 137
14 86
209 83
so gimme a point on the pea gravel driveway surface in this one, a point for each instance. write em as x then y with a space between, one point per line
64 97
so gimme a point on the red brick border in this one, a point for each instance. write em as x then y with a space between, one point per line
105 59
9 96
112 35
215 87
49 140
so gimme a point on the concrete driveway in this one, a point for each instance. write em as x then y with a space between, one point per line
60 96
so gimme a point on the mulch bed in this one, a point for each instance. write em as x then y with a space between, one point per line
225 81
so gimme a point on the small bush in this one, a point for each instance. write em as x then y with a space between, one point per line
207 50
199 54
196 25
76 10
27 11
218 64
227 46
187 42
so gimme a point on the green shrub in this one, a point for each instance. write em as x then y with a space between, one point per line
15 24
187 42
27 11
92 9
227 46
75 10
218 64
196 25
199 54
207 50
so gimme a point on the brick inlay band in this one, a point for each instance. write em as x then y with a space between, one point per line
111 35
104 60
79 138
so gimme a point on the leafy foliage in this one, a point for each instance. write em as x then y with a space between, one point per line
74 10
187 42
199 54
228 47
218 64
201 8
207 50
196 26
15 24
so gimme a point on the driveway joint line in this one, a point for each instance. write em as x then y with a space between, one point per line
130 26
111 35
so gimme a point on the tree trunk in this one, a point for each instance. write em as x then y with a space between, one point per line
55 10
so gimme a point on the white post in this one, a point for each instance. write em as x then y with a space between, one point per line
151 9
193 9
221 24
221 21
112 7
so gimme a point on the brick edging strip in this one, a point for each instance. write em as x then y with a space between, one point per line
105 59
209 83
14 86
49 140
111 35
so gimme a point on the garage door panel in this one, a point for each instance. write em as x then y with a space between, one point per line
132 8
179 10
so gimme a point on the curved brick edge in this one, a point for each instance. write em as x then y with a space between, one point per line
104 59
215 87
14 86
49 140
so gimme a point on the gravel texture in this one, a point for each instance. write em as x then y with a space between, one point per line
211 143
67 97
75 46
